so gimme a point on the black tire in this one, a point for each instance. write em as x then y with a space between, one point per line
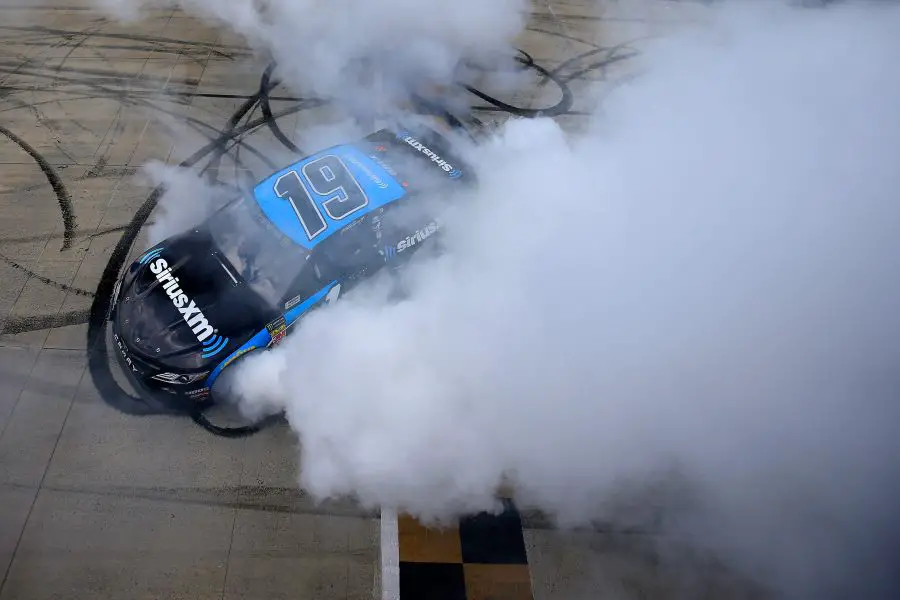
223 400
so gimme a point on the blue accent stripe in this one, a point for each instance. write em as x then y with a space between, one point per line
217 346
150 256
262 338
296 312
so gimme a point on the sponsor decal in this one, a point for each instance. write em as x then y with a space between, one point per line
333 294
293 302
150 255
125 354
237 355
378 160
293 316
190 312
179 379
376 225
277 330
351 225
435 158
365 169
199 394
418 237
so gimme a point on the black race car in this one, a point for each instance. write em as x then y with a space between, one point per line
194 303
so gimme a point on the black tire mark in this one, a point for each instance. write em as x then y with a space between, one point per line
45 280
85 34
558 71
99 75
277 499
599 65
98 170
126 97
233 432
562 35
612 56
26 60
54 134
38 322
52 8
161 48
79 234
215 162
498 109
62 194
199 126
265 86
560 108
214 48
21 104
546 16
170 94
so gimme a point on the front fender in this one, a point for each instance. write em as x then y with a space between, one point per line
258 341
263 338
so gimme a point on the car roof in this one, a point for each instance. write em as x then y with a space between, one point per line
384 166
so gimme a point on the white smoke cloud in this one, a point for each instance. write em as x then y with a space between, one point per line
188 200
333 48
705 280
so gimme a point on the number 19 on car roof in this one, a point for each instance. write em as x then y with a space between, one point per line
317 196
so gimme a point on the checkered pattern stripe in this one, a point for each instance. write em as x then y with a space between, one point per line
482 558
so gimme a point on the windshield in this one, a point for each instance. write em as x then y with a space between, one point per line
267 260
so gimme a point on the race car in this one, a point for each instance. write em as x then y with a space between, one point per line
191 305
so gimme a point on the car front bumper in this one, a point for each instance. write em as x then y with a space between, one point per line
181 391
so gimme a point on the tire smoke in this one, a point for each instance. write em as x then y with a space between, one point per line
703 283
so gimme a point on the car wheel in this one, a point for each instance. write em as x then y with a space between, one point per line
223 415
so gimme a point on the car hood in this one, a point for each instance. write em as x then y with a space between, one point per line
183 304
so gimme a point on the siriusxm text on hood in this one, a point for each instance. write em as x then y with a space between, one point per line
192 315
429 153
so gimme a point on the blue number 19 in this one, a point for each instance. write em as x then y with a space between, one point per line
329 178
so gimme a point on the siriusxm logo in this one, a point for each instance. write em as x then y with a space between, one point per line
150 256
411 240
447 167
193 316
383 164
375 178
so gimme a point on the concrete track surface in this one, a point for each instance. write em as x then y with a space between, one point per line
98 503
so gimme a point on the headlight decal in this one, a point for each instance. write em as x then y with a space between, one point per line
180 379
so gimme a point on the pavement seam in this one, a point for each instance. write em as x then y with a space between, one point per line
40 485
